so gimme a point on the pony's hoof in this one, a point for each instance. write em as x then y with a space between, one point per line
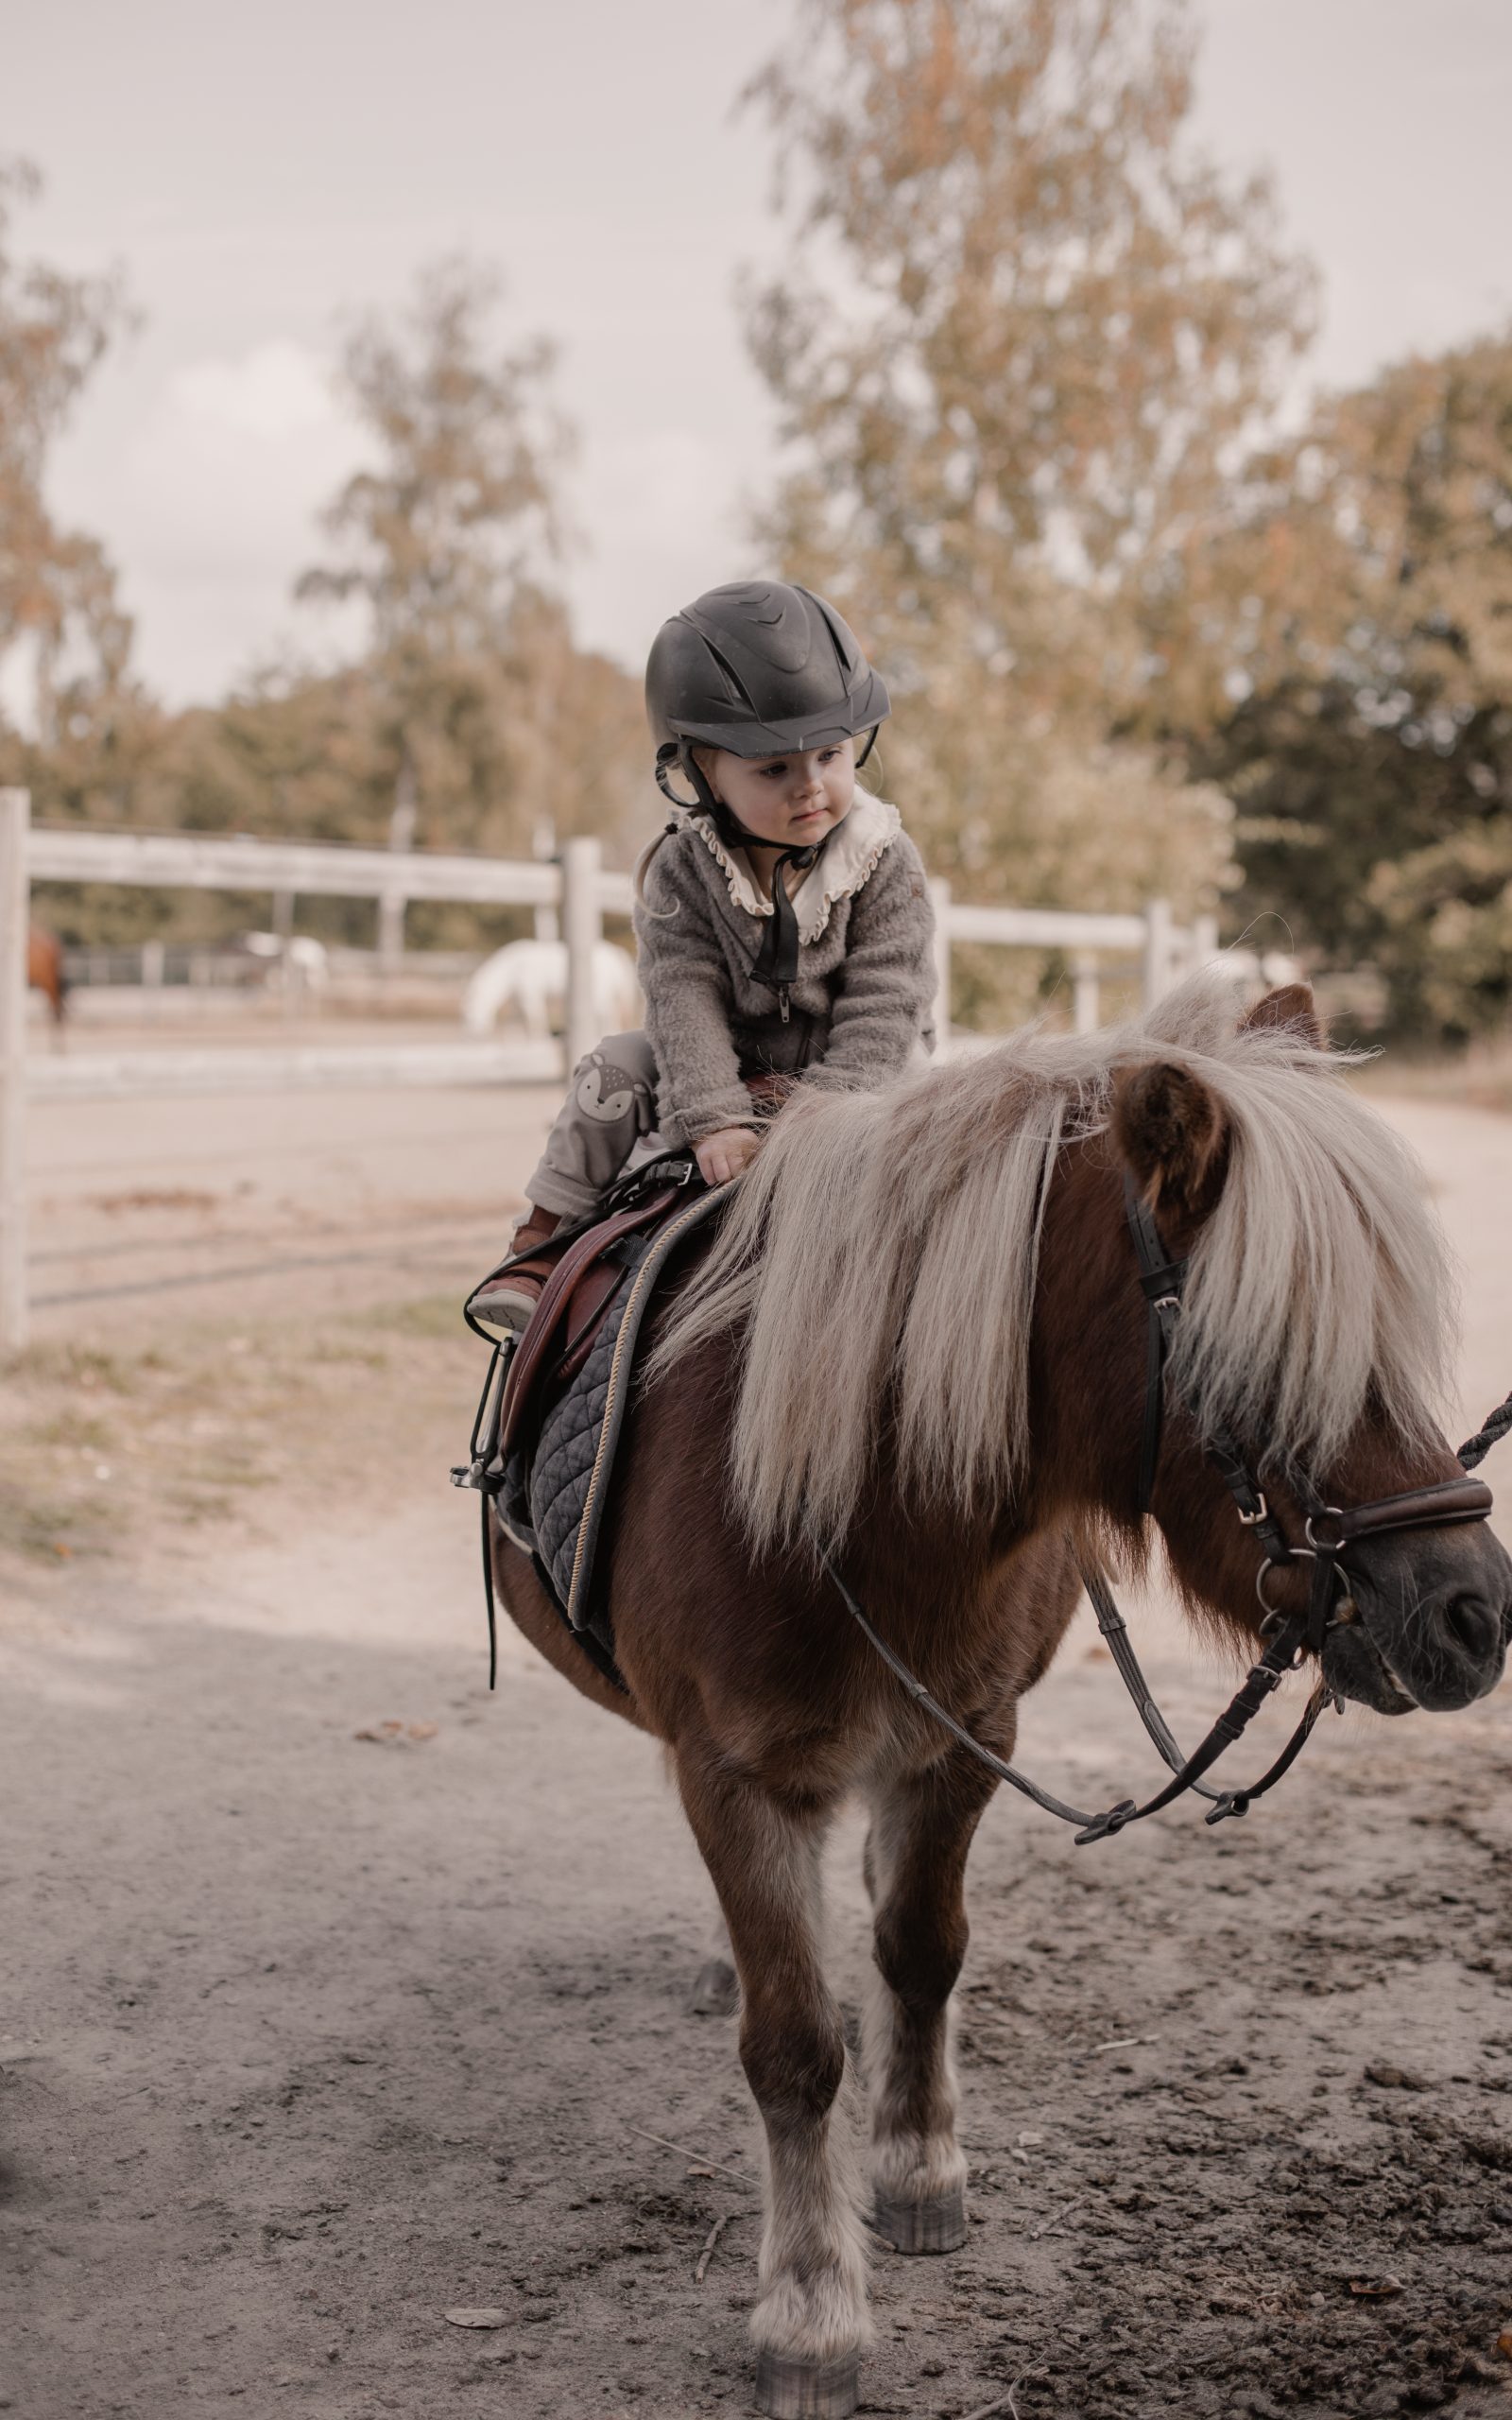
789 2390
715 1991
923 2226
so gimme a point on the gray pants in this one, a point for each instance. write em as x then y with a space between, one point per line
611 1104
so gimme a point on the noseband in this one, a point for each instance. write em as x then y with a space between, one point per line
1328 1532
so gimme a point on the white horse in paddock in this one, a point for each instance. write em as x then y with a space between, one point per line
530 977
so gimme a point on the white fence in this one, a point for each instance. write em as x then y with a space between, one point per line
576 884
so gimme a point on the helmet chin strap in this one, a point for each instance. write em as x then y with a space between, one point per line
776 961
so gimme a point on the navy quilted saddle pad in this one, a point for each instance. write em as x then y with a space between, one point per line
556 1484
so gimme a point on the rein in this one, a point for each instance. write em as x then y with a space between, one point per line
1330 1530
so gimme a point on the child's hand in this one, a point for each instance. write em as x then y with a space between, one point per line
723 1154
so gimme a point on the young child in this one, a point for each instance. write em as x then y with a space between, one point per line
783 922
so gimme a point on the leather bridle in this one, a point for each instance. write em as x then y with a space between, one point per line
1328 1532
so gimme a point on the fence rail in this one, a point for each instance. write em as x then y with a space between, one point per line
126 1075
235 861
1048 928
576 884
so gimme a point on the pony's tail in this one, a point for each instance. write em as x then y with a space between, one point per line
641 868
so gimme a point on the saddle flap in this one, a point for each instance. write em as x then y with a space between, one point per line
577 1292
592 1297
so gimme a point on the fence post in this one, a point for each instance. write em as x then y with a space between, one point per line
583 926
1085 999
393 902
1158 946
154 974
544 848
15 821
939 896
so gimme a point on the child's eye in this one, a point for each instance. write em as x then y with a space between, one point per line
774 772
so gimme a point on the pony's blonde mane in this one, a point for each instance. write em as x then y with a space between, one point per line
882 1252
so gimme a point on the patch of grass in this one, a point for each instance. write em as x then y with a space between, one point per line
337 1350
212 1430
73 1430
233 1470
193 1505
84 1365
433 1315
48 1530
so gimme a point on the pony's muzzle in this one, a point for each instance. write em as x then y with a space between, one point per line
1442 1636
1470 1631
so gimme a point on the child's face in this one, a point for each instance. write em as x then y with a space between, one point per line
788 801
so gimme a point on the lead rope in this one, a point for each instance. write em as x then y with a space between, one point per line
1491 1432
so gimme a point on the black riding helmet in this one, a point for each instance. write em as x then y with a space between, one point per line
762 669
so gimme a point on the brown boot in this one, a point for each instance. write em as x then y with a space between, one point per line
505 1309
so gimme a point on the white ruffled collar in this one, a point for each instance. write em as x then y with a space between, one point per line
848 861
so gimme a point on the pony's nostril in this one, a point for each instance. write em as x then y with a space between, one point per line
1473 1627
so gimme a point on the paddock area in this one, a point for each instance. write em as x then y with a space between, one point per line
344 2047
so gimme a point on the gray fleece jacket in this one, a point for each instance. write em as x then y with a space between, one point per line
863 1001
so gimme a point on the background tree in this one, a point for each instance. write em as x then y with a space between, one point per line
467 670
453 539
1369 638
459 513
1042 331
57 588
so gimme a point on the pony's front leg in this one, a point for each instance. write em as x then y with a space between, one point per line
716 1988
810 2319
921 1832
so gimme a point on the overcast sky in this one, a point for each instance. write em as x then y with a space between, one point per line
259 172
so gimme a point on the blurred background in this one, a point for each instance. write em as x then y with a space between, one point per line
373 381
1137 377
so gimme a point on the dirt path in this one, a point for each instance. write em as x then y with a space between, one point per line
308 2038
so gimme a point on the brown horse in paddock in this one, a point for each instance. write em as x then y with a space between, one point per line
918 1342
45 972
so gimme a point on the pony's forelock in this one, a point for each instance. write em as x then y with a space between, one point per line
882 1256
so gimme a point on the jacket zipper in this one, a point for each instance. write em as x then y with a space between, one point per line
783 1000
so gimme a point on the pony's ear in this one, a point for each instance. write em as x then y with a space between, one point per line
1290 1008
1173 1136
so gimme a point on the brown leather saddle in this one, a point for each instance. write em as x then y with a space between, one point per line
574 1302
587 1276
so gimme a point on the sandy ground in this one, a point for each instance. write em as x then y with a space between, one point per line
338 1994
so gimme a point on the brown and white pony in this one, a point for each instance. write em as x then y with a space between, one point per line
918 1341
45 972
